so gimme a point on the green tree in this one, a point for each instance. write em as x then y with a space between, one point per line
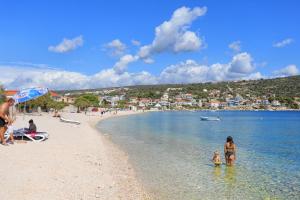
105 103
2 96
56 105
45 102
122 103
82 103
91 98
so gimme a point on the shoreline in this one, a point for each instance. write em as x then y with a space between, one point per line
118 154
76 162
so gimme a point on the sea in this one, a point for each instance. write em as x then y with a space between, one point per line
171 152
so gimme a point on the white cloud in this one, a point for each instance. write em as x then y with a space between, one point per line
240 67
235 46
67 45
110 78
135 42
23 77
173 35
170 36
190 71
283 43
255 76
121 65
241 63
290 70
187 42
116 47
148 60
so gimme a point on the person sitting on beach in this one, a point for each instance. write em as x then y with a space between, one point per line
4 118
32 127
217 159
230 151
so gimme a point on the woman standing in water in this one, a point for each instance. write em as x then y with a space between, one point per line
230 151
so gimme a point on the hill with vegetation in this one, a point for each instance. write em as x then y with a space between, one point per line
277 87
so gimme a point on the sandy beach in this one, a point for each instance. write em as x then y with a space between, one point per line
76 162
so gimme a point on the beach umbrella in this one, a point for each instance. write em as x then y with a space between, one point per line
29 94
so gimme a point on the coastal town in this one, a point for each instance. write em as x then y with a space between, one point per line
184 101
214 96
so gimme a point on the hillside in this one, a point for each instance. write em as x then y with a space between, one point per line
278 87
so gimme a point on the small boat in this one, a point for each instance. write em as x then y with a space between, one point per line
210 118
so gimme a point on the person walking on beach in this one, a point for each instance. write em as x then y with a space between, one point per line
4 118
230 151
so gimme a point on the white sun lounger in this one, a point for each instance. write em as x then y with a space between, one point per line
69 121
7 133
6 136
36 137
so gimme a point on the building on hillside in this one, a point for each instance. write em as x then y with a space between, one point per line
133 108
276 103
67 99
187 96
265 102
10 93
200 103
55 96
133 100
165 97
213 104
144 102
238 98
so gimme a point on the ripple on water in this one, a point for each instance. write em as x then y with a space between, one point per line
171 153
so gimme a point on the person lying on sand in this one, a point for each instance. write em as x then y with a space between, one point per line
4 118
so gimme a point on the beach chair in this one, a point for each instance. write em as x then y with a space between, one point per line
6 136
35 137
69 121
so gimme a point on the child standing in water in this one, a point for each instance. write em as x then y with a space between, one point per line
217 159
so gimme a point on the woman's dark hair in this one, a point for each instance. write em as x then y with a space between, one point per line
30 121
229 139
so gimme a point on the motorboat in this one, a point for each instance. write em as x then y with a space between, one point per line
210 118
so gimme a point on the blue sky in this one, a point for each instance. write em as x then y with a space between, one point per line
264 35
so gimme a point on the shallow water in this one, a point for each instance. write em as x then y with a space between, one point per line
171 153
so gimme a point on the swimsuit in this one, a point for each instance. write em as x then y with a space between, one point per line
229 152
2 122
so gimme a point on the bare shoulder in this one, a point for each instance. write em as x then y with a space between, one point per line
4 107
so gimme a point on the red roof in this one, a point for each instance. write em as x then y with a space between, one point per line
10 92
54 94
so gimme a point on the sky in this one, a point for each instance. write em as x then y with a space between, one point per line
95 44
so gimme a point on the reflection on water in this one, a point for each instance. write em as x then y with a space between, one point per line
217 172
171 152
230 173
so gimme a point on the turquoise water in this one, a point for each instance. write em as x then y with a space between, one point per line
171 153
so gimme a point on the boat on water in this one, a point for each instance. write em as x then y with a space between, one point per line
210 118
